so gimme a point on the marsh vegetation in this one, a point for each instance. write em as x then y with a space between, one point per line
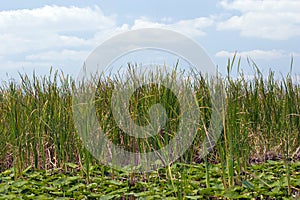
256 156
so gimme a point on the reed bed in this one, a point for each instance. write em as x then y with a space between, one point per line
261 122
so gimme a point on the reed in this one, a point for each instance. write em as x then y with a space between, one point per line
261 122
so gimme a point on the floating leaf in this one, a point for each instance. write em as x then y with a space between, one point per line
194 197
57 192
19 184
107 197
9 196
114 182
247 184
76 187
72 165
7 172
92 185
50 188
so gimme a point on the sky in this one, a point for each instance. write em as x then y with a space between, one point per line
38 35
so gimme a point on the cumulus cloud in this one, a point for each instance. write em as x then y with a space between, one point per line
55 27
64 36
192 27
54 19
256 54
267 19
49 27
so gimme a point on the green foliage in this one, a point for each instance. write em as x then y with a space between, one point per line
54 184
261 123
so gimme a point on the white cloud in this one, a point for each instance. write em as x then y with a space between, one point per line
55 27
192 27
256 54
268 19
64 55
54 19
22 65
49 27
56 35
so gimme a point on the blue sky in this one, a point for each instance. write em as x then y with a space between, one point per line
38 34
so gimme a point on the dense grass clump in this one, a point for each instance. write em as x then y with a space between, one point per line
261 122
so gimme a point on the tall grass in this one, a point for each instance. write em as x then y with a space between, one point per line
261 122
37 127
